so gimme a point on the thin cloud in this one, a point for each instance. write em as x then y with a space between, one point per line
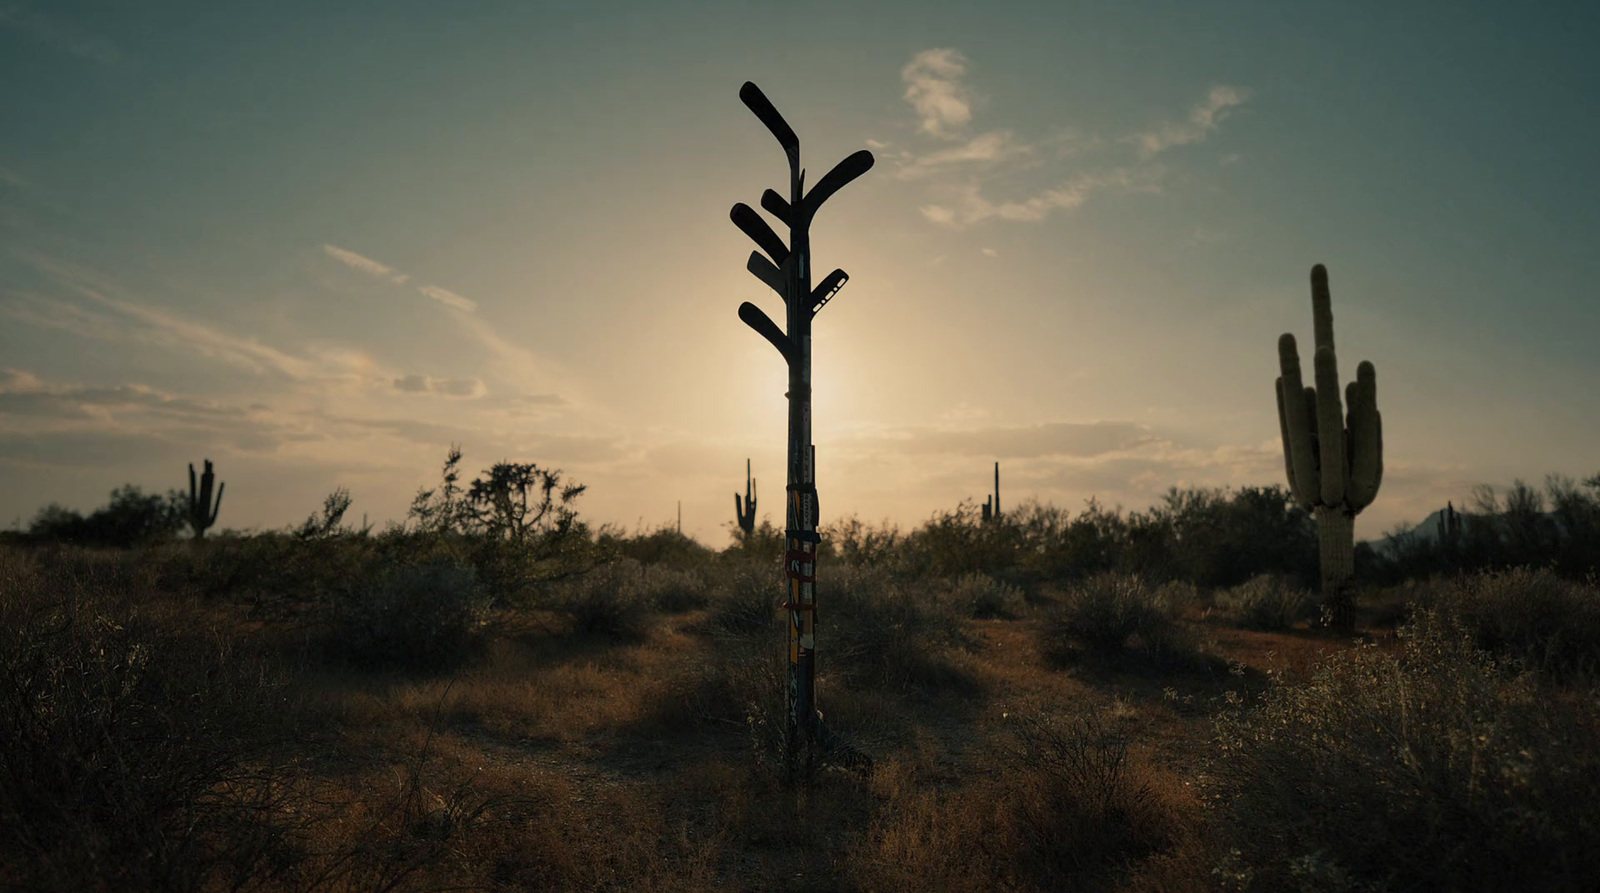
934 89
962 178
155 326
968 205
1204 118
448 298
985 149
445 387
365 264
382 270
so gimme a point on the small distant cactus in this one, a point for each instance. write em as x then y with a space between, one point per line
1334 460
746 510
202 511
991 511
1449 524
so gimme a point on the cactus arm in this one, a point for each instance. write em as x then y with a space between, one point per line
1366 460
1330 424
218 507
1283 434
1321 309
1300 425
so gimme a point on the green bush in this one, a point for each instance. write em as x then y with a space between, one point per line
1266 603
1432 768
413 616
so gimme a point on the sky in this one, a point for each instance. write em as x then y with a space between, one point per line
320 243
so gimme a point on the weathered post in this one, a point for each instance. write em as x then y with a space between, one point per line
786 269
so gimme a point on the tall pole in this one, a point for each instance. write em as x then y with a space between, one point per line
786 269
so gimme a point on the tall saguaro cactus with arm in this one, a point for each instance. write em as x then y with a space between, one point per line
786 269
202 511
745 511
1333 454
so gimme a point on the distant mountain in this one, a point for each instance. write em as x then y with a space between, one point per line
1426 531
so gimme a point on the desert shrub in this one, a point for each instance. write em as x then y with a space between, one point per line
610 599
131 518
745 599
414 616
884 631
1266 603
1085 807
1068 808
1432 768
665 545
980 595
131 751
1550 624
1107 610
856 542
674 591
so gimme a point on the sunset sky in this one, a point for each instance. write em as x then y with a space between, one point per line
319 246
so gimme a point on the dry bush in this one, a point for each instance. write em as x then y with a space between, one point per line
882 631
1069 809
1550 624
984 597
1428 769
1113 615
131 752
409 616
1086 808
745 599
675 591
1265 602
611 599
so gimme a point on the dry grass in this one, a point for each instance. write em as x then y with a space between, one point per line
217 749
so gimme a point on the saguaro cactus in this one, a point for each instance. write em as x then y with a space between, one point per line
1449 524
202 511
745 511
1334 458
991 512
786 269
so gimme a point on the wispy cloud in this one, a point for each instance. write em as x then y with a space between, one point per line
365 264
446 387
966 204
133 322
382 270
1203 119
985 149
935 89
448 298
961 178
59 33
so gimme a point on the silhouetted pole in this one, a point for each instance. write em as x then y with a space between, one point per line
786 269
